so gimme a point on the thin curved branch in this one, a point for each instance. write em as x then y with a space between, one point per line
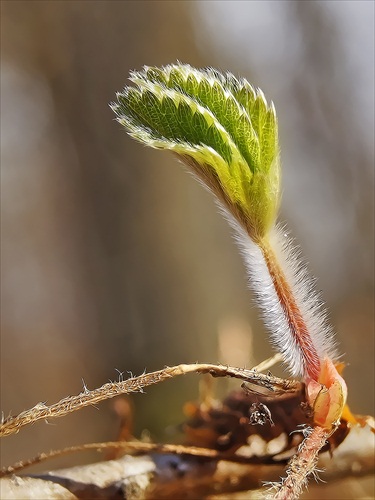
41 411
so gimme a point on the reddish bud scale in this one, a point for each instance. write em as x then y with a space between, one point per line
327 396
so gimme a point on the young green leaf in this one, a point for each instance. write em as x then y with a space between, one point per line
221 127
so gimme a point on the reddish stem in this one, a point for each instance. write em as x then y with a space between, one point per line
302 465
292 312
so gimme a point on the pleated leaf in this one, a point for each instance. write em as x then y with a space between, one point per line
220 126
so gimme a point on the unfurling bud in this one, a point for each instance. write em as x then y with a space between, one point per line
220 126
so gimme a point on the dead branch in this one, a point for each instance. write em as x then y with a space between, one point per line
129 447
41 411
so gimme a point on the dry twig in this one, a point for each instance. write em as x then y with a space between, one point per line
41 411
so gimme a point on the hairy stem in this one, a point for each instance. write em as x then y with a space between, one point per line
302 465
296 322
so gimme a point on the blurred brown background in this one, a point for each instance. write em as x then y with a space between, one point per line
113 257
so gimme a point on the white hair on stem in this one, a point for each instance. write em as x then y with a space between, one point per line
272 310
